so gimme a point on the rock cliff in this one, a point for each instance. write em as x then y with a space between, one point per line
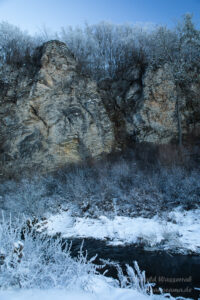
143 106
52 115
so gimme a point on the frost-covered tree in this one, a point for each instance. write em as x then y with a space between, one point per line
180 49
105 49
186 64
16 46
162 46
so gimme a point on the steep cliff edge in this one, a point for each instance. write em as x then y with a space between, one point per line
51 116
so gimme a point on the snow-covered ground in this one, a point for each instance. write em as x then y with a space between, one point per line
116 294
99 290
177 231
66 295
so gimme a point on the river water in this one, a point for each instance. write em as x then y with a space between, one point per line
177 274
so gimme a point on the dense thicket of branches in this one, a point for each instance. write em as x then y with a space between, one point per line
106 50
16 46
134 183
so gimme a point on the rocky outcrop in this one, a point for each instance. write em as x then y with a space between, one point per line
122 99
51 116
143 106
164 103
156 120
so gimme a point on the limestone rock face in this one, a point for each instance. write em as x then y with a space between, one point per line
156 120
52 117
122 98
143 106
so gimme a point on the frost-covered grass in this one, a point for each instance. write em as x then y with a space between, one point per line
32 267
176 231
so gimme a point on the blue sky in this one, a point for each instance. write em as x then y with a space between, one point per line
32 15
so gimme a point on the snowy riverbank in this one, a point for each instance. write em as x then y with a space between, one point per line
35 268
176 231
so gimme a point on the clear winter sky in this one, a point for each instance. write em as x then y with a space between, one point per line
32 15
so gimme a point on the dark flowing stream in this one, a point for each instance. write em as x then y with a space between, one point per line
175 274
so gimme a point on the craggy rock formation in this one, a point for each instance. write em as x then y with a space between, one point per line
122 99
143 106
50 114
156 120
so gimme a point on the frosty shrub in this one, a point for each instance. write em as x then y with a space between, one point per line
31 261
179 187
107 187
132 277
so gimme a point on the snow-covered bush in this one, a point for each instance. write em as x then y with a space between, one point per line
179 187
23 196
120 187
132 277
31 261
